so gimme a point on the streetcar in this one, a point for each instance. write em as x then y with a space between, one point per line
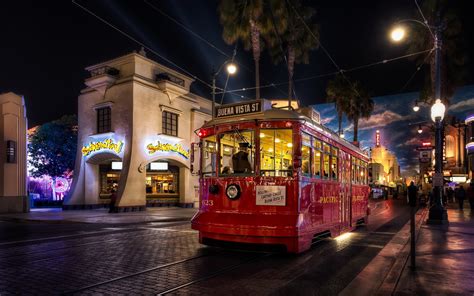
276 177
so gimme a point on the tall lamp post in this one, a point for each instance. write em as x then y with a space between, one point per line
231 69
437 214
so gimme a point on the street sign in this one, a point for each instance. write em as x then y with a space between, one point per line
438 179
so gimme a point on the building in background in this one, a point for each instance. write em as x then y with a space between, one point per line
387 162
136 120
13 124
455 155
469 129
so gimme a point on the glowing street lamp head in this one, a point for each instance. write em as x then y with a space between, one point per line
420 129
437 110
397 34
231 68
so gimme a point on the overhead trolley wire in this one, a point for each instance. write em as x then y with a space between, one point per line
385 61
142 44
206 41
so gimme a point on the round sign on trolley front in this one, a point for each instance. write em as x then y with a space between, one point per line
233 191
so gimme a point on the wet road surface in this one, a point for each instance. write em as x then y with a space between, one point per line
166 258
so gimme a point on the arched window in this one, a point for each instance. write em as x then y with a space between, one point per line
450 149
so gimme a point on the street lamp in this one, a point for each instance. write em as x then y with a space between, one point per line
416 108
437 214
231 69
420 129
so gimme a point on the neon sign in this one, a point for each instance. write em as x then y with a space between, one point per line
107 144
377 138
165 147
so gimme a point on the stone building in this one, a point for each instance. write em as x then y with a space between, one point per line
136 124
389 162
13 124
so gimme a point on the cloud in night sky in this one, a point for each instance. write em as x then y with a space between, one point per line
398 124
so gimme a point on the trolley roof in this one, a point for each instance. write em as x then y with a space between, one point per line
267 113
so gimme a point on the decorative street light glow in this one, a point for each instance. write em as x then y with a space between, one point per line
397 34
420 129
437 110
231 68
289 145
341 135
416 108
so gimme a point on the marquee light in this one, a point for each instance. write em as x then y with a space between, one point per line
166 147
107 144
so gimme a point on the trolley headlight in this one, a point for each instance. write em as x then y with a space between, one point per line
233 191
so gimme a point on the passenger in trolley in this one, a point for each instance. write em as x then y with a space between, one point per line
240 160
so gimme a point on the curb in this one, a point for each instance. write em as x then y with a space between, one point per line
382 274
65 221
390 282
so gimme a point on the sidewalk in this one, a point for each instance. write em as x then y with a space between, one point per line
57 215
444 258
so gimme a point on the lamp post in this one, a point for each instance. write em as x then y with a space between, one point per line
437 214
231 69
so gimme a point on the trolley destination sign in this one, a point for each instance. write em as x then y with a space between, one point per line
239 109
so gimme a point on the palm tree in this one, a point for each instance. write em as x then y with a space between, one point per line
296 41
453 68
361 106
247 21
339 92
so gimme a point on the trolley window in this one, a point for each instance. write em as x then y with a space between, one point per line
306 155
276 151
237 153
334 163
317 158
209 156
326 157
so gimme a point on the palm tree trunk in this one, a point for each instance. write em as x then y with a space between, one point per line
255 33
356 128
291 71
339 120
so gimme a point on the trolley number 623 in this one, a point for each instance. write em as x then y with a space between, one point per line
207 202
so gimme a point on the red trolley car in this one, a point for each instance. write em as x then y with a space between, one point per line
279 177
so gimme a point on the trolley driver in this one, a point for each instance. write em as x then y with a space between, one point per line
240 160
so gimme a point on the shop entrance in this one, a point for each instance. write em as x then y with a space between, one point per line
109 178
162 183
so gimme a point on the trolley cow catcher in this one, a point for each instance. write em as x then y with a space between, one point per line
274 176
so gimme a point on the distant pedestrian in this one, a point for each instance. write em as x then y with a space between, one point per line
113 200
460 196
450 193
412 194
470 196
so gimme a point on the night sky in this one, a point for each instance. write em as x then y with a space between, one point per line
47 44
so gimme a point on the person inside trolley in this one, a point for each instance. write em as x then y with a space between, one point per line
240 160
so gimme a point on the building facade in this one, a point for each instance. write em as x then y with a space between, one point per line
136 124
13 124
388 161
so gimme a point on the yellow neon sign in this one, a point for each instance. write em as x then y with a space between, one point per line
165 147
107 144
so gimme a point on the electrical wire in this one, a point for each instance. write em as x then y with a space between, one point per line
142 44
417 70
385 61
232 58
424 19
323 48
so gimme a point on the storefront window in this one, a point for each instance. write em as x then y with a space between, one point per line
163 182
276 152
237 151
209 156
109 179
